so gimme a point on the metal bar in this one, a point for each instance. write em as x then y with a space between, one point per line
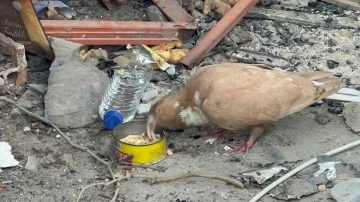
173 10
118 32
217 33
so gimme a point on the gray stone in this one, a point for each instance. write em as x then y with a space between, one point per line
74 89
40 89
144 109
32 163
322 118
351 114
149 96
154 14
29 99
346 191
65 159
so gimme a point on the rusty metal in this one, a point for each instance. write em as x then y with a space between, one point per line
217 33
173 10
118 32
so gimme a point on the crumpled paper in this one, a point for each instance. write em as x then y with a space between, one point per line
6 157
330 166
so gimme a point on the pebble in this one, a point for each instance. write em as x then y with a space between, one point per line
143 109
322 118
322 188
32 163
331 64
65 159
27 129
149 96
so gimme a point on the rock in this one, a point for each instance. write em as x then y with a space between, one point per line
144 109
65 159
149 96
346 191
331 42
351 113
75 88
40 89
154 14
32 163
331 64
2 90
322 118
26 129
322 188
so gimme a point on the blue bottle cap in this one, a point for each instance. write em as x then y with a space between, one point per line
112 118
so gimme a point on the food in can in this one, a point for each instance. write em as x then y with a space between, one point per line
140 139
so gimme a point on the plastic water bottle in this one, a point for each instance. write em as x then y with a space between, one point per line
123 94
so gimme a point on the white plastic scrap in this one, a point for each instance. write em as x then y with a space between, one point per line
331 174
6 157
261 176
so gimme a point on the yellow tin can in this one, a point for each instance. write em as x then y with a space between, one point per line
138 154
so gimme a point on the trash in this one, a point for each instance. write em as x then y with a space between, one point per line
32 163
260 176
122 98
346 191
54 10
351 114
330 166
6 158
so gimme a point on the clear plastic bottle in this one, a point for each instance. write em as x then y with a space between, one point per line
125 91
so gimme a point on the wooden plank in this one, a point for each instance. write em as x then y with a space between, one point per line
351 4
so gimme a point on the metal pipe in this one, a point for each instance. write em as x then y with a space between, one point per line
217 33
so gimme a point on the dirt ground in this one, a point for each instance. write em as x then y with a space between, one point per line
288 142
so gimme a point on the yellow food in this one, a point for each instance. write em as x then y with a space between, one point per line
221 8
173 56
169 152
160 62
139 139
167 46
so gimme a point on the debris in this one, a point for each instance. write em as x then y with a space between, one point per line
322 118
95 53
18 59
173 56
169 152
24 27
32 163
29 100
171 70
322 188
331 64
260 176
227 148
155 15
291 191
237 36
301 167
346 190
65 159
217 33
300 18
6 158
173 10
330 166
119 32
143 109
58 136
149 96
355 5
74 85
211 140
351 114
